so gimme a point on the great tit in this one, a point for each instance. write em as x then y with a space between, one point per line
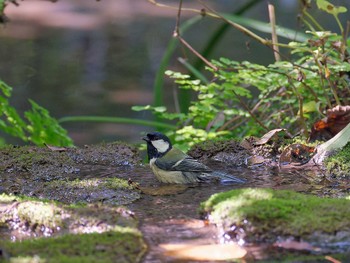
171 165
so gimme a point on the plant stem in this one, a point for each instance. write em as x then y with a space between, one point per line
219 33
237 26
319 27
116 120
249 111
339 24
159 79
273 32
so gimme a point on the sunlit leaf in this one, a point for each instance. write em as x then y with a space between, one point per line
330 8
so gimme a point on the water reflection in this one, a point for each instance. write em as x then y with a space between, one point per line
101 57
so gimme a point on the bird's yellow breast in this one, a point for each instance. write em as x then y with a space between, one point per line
168 177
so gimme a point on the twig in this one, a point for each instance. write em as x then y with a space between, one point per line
301 111
249 111
237 26
273 32
185 43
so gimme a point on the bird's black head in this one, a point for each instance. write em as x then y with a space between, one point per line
157 144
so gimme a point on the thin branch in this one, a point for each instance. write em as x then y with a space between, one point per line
249 111
237 26
185 43
275 47
177 26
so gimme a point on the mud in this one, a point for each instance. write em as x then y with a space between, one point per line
91 183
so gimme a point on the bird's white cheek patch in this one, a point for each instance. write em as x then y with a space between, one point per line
161 145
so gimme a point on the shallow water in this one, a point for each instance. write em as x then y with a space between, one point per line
169 214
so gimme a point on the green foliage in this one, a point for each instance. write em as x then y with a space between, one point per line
38 126
245 98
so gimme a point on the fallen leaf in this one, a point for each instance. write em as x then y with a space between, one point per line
208 252
337 118
296 154
56 149
248 143
255 160
269 136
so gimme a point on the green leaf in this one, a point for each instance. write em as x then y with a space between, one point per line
141 108
6 90
330 8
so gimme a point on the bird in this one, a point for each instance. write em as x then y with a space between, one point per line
172 166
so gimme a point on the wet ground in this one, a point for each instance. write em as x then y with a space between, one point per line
168 214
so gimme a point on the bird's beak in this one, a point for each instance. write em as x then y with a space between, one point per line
145 138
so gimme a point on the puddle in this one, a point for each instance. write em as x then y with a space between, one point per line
169 218
171 224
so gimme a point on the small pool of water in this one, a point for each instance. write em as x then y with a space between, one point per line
169 214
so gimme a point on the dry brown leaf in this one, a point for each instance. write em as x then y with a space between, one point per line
337 118
269 136
248 143
208 252
296 154
255 160
56 149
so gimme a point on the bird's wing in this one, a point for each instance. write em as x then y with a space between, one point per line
176 160
189 164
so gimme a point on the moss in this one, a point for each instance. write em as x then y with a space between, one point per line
93 183
338 165
107 190
120 245
38 213
34 217
267 213
31 210
27 156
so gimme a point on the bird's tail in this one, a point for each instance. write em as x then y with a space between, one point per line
227 178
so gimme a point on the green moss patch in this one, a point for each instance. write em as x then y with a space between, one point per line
338 165
112 191
265 214
25 217
120 245
40 162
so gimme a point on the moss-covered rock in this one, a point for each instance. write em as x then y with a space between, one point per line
338 164
40 163
119 245
265 214
69 175
113 191
115 153
25 217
